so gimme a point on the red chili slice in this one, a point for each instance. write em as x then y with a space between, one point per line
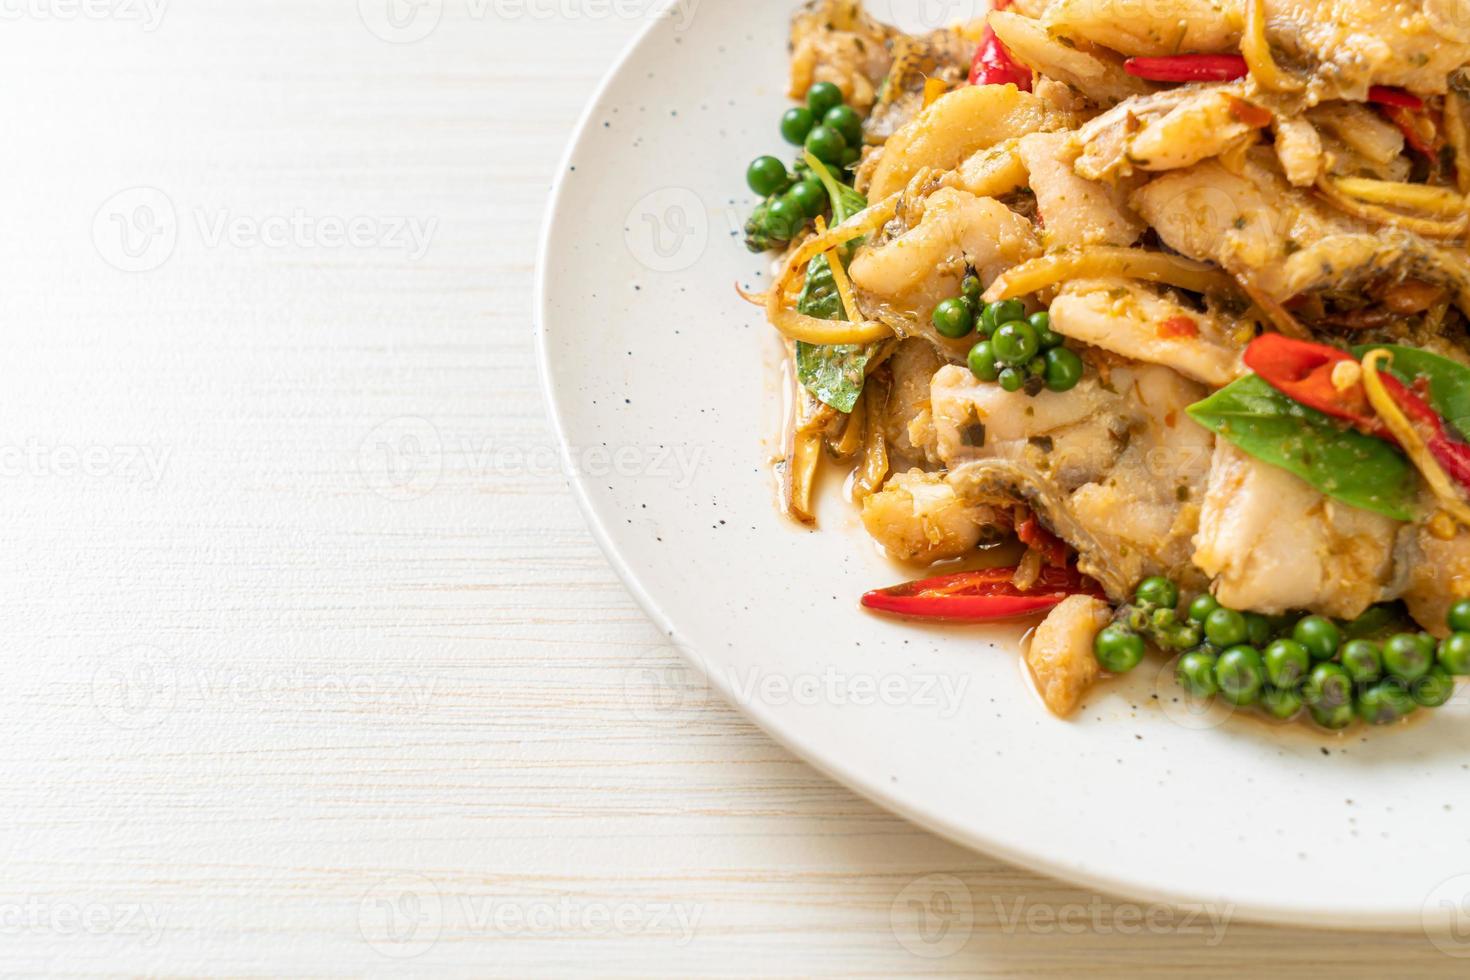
993 64
1188 68
1450 453
1303 371
981 596
1229 67
1053 550
1178 326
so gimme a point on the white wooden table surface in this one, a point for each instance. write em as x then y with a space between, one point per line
311 665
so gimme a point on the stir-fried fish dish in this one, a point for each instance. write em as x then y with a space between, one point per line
1169 302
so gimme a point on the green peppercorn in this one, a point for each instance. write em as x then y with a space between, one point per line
1240 674
952 318
1063 369
1007 310
810 196
1036 367
1225 627
1196 673
1287 663
846 121
1328 686
1334 718
1281 703
767 175
1118 649
826 144
1014 343
1459 616
1011 379
1319 635
796 124
1257 629
822 98
1363 660
1407 656
1201 606
1434 688
982 362
1385 702
1184 636
1454 653
1159 591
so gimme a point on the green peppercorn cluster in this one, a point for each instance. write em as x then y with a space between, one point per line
1336 672
1020 352
833 132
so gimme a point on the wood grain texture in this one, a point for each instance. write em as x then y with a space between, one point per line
312 665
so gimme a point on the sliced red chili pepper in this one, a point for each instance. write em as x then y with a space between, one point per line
993 64
1178 326
1053 550
981 596
1418 129
1252 115
1229 67
1188 68
1450 453
1389 95
1303 371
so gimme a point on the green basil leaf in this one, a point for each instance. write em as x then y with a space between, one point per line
1449 381
1342 463
833 373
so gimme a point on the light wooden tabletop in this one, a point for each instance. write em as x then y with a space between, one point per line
312 665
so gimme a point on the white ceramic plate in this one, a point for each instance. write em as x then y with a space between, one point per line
661 387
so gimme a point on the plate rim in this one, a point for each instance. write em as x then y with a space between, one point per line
1139 889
